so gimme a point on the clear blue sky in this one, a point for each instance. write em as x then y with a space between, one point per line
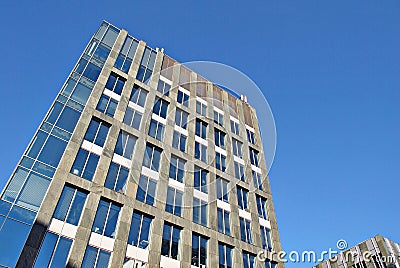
329 69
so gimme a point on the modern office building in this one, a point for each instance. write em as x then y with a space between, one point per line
139 162
376 252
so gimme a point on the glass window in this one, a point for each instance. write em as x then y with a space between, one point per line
53 251
239 171
12 239
115 83
235 128
242 195
245 230
160 107
201 108
117 178
85 164
225 255
262 207
81 93
183 98
200 211
200 151
200 179
132 118
97 132
201 129
107 105
105 222
70 205
125 144
174 201
218 118
266 238
220 161
146 65
253 157
177 168
125 57
37 144
52 151
170 241
95 257
248 260
15 184
257 180
222 189
163 87
199 250
156 130
110 36
32 191
250 136
146 190
179 141
68 119
140 230
219 138
152 157
92 72
138 96
237 148
181 118
223 221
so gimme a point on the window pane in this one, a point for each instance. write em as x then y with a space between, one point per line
12 238
90 257
68 119
76 208
91 166
64 203
101 215
33 192
61 253
46 250
52 151
112 221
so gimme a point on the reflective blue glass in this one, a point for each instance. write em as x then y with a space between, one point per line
15 185
102 52
37 144
81 66
12 238
61 253
79 164
76 208
52 151
33 191
46 250
142 188
68 119
4 208
81 93
92 71
100 219
91 166
22 214
112 221
104 258
89 260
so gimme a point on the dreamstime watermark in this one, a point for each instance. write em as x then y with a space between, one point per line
311 256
